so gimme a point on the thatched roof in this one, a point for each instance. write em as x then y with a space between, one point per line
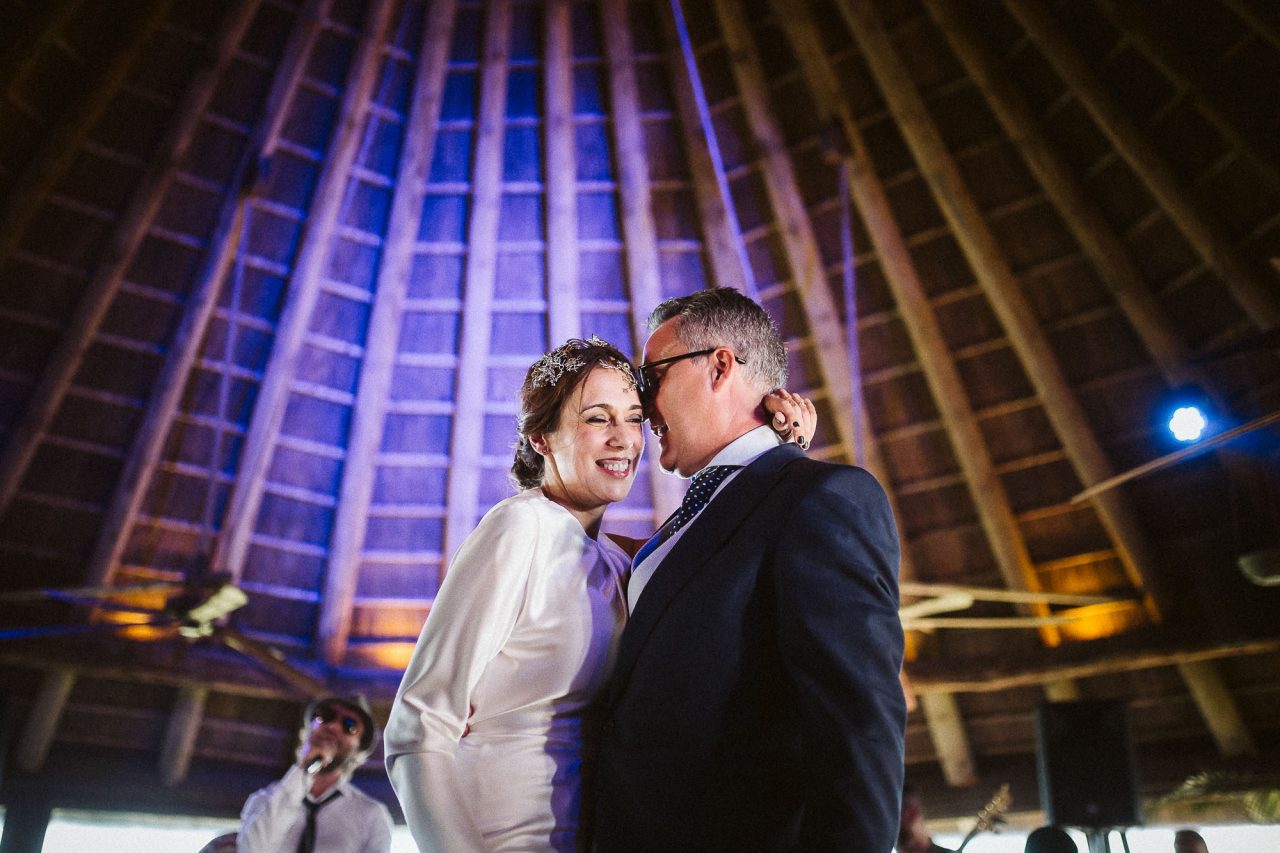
271 271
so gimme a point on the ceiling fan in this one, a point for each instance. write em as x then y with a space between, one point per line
936 599
191 610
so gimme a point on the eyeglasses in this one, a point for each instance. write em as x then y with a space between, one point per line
647 379
350 724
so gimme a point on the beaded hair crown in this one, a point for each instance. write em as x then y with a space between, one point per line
549 369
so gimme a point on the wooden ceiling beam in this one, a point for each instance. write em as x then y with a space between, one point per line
996 514
564 313
794 228
1256 297
721 231
29 33
180 733
304 284
377 368
103 76
640 242
467 439
130 230
1003 292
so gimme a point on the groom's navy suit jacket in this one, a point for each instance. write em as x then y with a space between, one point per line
755 704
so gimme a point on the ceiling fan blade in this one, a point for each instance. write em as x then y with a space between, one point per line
272 660
1176 456
996 622
1011 596
948 603
39 631
62 594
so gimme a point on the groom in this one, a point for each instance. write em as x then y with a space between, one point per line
756 703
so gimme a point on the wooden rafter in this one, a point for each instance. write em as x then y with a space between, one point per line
304 290
1134 21
1256 298
466 441
148 442
640 244
996 514
564 316
792 220
58 149
28 35
180 733
1003 292
377 367
131 228
721 232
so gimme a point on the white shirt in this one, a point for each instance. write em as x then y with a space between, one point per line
486 734
743 450
273 819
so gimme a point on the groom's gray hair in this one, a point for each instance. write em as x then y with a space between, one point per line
722 316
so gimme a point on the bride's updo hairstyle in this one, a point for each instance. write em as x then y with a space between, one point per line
548 384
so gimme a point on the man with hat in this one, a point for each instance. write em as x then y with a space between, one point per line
315 808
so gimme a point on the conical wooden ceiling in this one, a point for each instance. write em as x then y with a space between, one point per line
271 272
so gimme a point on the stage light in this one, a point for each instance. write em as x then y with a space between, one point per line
1187 423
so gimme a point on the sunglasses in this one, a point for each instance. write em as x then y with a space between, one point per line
322 716
648 379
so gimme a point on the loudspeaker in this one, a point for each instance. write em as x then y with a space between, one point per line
1085 765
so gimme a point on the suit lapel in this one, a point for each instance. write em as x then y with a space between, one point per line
701 540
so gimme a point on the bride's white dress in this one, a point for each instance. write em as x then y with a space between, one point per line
484 743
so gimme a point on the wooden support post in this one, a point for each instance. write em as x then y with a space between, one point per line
467 438
640 242
42 722
355 492
58 149
1256 297
304 289
1003 293
564 316
59 370
1218 707
950 742
26 819
181 732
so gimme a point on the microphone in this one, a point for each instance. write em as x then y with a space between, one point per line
316 764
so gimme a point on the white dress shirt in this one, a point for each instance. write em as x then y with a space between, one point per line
273 818
742 451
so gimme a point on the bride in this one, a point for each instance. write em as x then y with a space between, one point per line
489 736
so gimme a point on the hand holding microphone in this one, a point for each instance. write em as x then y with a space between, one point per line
318 761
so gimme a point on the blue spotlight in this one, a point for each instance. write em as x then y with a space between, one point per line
1187 423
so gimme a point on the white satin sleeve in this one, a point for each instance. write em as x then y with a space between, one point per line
470 621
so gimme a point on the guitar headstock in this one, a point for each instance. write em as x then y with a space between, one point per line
991 813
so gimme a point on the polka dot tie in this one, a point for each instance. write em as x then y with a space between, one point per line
700 491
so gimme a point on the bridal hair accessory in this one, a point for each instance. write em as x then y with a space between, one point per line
549 369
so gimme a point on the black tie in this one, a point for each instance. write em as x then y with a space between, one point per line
700 491
307 843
